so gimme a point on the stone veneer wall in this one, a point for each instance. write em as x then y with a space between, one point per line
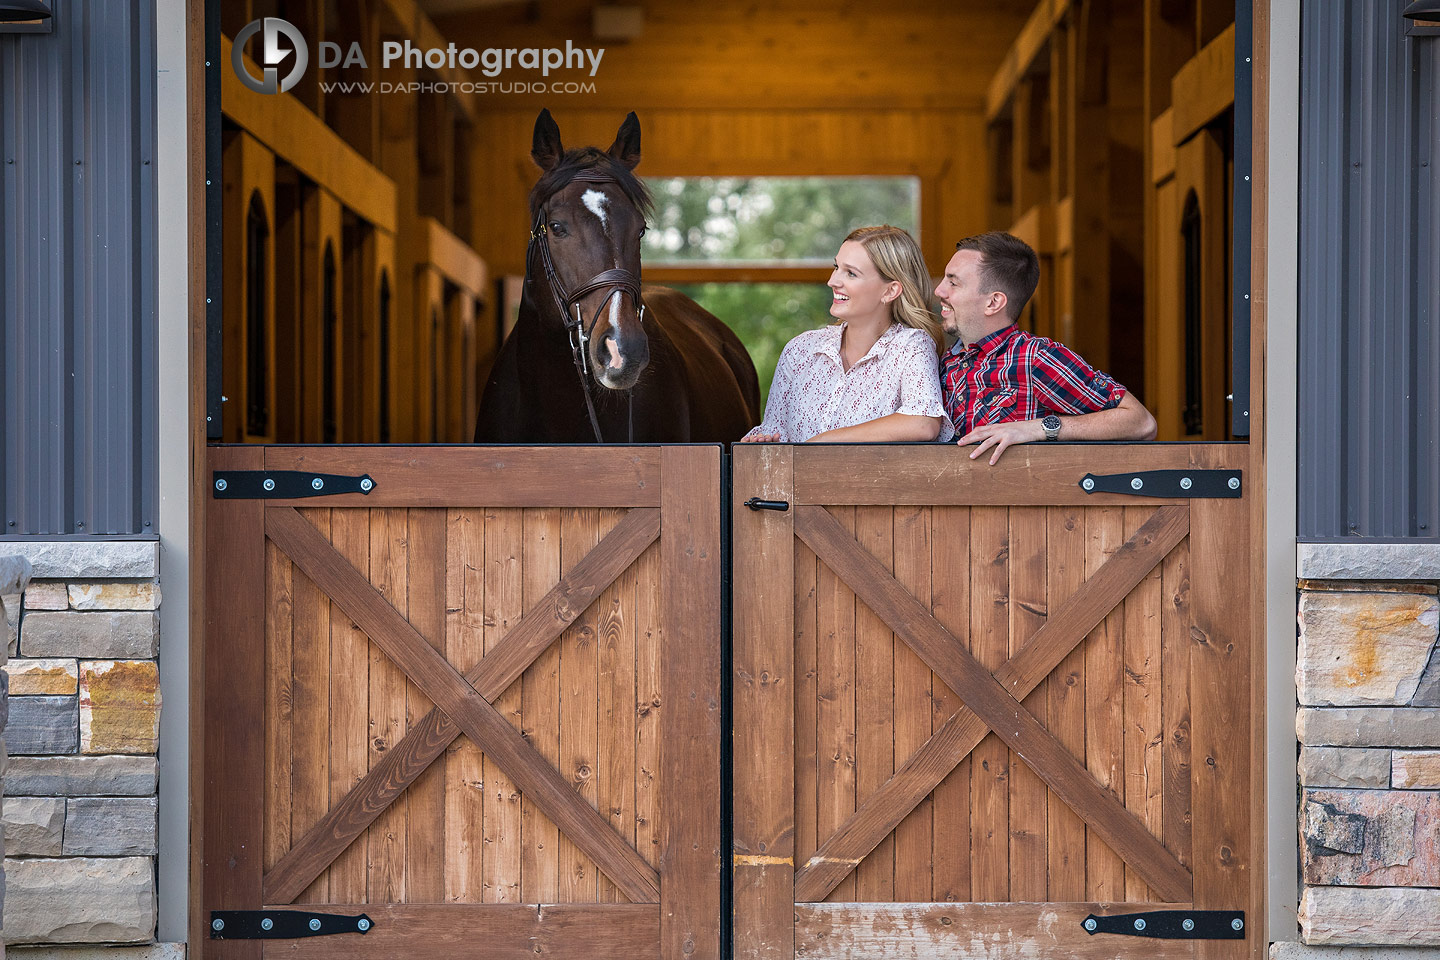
80 808
1368 683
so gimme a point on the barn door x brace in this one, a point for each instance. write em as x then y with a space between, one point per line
1171 924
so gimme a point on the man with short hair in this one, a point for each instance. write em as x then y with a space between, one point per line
1003 386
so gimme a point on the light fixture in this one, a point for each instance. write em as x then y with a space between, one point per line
1423 10
15 11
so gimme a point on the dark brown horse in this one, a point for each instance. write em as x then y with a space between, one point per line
594 356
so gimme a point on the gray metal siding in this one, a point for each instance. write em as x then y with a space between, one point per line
1369 444
77 251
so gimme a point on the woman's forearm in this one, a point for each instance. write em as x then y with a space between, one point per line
894 427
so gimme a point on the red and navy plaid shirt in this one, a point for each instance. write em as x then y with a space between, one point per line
1011 375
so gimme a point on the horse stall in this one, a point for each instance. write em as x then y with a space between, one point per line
672 698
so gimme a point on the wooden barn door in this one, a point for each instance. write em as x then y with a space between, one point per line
478 705
975 705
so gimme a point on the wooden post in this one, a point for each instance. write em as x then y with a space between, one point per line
690 710
1084 318
764 706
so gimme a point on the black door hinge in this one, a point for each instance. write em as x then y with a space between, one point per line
282 924
1172 924
285 484
1170 484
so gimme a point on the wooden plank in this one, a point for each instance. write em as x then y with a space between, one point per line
649 702
579 721
1221 653
452 257
1065 577
1204 88
763 664
233 756
807 701
385 840
349 730
525 645
1175 700
483 476
1036 226
1144 731
1162 147
615 769
279 627
875 703
988 641
960 731
502 581
950 552
913 705
989 931
835 699
540 694
620 931
1029 797
467 789
471 712
310 771
426 841
1022 53
985 695
943 474
691 727
1104 706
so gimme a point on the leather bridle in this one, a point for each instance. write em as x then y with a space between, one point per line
617 281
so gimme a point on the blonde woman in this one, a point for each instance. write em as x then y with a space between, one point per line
874 375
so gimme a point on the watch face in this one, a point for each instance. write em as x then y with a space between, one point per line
1051 422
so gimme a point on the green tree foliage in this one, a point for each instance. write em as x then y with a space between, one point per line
781 220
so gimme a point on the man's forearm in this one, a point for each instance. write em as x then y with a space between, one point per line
1129 421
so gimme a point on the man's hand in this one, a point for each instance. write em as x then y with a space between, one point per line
1002 435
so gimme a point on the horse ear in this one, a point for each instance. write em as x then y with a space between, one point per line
545 150
626 147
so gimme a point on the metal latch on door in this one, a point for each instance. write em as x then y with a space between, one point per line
1169 484
1171 924
282 924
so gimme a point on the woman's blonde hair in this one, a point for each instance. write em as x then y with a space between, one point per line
897 256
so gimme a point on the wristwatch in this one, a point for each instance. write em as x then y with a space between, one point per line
1051 426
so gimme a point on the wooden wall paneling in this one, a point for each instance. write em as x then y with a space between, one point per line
354 116
1144 726
1028 46
1065 547
580 530
1104 705
1030 156
764 679
914 854
835 707
615 770
1169 42
382 365
398 130
875 704
279 700
1200 167
482 577
234 594
1028 592
387 839
540 839
1204 87
311 691
989 643
288 239
1128 133
690 557
426 839
428 351
358 332
348 677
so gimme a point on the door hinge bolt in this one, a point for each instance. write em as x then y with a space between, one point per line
267 924
1237 923
1139 923
217 923
317 483
1088 483
1235 485
367 484
1090 924
362 924
1187 924
1185 484
314 923
1136 483
268 484
220 485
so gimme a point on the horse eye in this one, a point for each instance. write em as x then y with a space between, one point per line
557 228
644 230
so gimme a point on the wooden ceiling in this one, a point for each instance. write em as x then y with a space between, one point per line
776 54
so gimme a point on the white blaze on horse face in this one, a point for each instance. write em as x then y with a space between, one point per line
595 202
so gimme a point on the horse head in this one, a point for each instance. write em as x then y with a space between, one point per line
587 214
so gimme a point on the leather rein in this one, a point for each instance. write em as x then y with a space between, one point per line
617 281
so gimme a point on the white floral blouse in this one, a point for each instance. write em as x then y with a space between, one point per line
813 392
